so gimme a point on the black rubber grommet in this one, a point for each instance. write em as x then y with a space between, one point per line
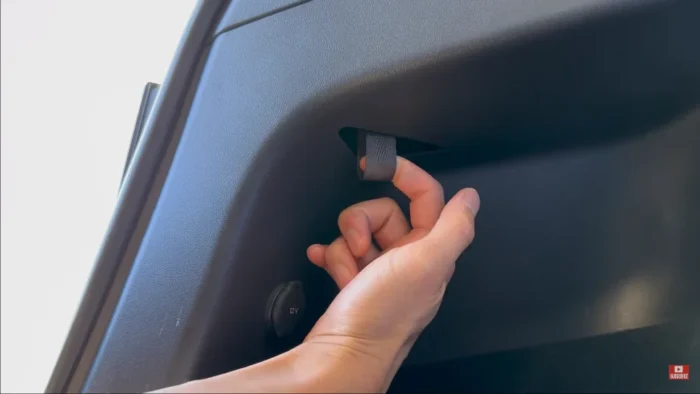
285 308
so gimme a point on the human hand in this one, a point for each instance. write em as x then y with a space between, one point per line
389 296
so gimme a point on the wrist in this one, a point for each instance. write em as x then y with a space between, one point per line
339 363
320 364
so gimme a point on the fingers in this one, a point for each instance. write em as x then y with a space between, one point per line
317 254
454 230
424 191
338 261
381 218
372 254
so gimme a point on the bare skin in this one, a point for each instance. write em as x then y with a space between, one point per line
388 295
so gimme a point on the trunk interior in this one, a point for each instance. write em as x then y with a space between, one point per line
579 127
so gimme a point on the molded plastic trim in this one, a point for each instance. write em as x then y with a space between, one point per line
137 185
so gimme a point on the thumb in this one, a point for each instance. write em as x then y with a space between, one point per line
454 230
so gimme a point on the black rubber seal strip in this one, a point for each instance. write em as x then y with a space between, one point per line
379 152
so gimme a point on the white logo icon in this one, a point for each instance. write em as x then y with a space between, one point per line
677 369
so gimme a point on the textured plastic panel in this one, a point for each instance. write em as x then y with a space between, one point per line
260 173
242 11
585 366
572 244
132 208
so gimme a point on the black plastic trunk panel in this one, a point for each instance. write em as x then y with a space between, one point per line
572 244
577 122
627 362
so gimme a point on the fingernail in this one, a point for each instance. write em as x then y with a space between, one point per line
471 200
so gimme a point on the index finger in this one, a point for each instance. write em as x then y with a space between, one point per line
424 192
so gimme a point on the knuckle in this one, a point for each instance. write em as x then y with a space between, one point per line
346 217
389 202
389 207
393 209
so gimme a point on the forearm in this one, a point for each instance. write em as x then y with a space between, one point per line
278 374
315 366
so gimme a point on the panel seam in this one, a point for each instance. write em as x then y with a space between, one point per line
259 17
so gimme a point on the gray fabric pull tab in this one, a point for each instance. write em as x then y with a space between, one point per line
380 153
